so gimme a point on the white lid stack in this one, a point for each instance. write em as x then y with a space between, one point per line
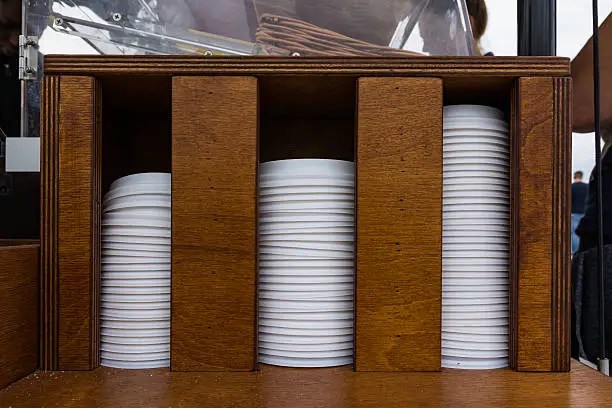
475 243
306 262
135 304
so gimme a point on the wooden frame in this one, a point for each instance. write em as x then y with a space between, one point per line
540 302
70 225
535 88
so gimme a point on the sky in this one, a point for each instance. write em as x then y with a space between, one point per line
574 28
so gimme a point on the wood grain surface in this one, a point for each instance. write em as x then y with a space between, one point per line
79 223
561 268
17 242
113 65
49 186
275 387
71 221
214 168
513 263
19 275
540 270
70 187
399 224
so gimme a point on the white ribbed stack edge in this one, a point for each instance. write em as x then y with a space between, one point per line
306 262
475 246
135 304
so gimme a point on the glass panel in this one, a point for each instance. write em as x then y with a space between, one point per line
242 27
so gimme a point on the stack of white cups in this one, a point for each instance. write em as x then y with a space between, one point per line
306 262
135 304
475 246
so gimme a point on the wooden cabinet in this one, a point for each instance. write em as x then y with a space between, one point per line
19 273
210 120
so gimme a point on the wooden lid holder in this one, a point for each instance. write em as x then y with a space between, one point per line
211 120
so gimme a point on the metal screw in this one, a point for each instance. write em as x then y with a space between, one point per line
208 53
117 17
59 21
295 54
29 70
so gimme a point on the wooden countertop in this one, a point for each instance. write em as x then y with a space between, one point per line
297 388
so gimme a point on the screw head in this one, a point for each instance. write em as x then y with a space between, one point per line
59 21
208 53
296 54
117 17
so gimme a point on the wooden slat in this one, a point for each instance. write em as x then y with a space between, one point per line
540 291
535 218
49 186
561 272
214 163
399 224
512 67
78 223
19 275
96 238
515 126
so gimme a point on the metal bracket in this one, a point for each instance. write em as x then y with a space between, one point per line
28 57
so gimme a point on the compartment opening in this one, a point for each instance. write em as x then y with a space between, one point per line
136 138
489 91
307 117
136 126
481 164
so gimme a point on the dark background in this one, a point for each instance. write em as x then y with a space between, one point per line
19 192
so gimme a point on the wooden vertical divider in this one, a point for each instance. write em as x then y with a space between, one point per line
48 314
540 270
562 245
214 178
399 224
70 189
515 125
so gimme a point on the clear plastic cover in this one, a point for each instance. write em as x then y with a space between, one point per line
243 27
254 27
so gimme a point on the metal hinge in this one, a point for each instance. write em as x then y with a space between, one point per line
28 57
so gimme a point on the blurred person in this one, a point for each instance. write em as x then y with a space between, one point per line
479 18
580 192
582 75
437 26
585 274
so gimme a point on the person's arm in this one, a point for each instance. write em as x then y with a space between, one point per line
582 75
